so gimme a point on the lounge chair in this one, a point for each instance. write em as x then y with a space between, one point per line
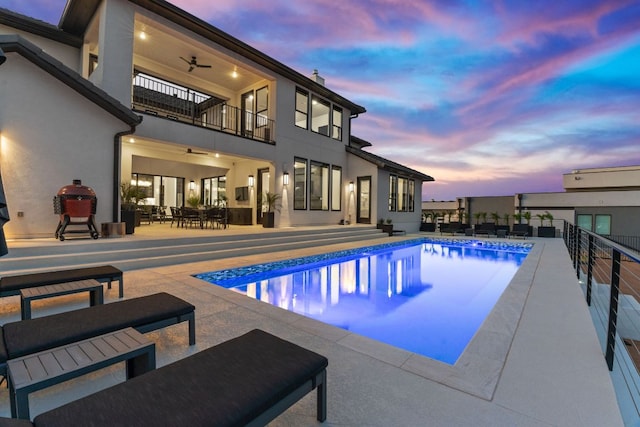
246 381
144 314
520 230
11 285
487 229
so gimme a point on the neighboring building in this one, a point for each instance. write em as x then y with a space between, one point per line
605 200
141 91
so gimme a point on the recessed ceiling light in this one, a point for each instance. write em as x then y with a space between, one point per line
143 35
131 140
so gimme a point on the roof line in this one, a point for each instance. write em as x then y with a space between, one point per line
389 165
37 27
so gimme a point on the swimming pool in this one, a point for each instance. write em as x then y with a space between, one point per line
427 296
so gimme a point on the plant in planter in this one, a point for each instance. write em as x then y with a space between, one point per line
527 217
477 216
380 222
546 231
271 204
193 201
517 217
496 217
387 227
130 197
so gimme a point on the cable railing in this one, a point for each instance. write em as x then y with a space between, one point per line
164 99
609 274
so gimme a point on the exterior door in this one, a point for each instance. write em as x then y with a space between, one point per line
246 117
363 202
262 186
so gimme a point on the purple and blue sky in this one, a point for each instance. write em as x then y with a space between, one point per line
488 97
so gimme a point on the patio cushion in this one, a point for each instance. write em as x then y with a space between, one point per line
33 335
12 284
226 385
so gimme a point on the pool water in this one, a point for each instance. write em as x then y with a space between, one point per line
425 296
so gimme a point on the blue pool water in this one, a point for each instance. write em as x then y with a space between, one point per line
427 296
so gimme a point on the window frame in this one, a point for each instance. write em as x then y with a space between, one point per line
318 101
336 129
336 185
393 193
323 191
304 113
303 191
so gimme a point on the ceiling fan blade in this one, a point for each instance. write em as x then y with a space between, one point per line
203 66
186 60
190 151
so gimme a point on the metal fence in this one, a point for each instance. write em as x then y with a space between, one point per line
609 274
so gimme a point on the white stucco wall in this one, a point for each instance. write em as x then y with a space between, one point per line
56 135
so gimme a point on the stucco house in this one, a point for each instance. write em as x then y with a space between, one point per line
142 92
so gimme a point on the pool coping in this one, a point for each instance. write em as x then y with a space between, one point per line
477 371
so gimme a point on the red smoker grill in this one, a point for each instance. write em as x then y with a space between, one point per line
76 205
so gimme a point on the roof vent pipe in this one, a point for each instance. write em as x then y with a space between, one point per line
316 78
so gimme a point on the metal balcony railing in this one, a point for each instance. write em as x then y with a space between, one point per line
609 274
164 99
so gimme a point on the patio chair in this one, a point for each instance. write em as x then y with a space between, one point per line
144 314
176 216
248 380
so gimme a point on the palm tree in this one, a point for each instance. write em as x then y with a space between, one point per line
517 217
496 217
541 217
506 218
527 216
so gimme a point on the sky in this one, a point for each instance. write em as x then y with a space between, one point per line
490 98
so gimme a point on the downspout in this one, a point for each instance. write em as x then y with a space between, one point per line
117 155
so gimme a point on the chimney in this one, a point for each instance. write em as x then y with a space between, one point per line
316 78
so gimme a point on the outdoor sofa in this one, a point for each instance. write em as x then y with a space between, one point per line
144 314
246 381
11 285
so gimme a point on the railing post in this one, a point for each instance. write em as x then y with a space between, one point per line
590 261
576 250
613 308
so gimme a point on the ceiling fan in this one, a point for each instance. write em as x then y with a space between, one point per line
190 151
193 63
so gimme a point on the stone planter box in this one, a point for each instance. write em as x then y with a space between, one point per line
546 232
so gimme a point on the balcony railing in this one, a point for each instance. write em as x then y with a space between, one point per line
609 275
170 101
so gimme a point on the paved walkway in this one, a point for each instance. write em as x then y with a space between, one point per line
535 362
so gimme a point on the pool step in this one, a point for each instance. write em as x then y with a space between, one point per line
131 253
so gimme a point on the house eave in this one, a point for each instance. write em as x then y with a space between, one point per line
39 28
389 165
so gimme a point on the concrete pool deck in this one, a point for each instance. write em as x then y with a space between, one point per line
536 361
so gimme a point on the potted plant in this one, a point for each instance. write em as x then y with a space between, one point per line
271 204
130 196
546 231
379 224
527 216
387 227
496 217
193 201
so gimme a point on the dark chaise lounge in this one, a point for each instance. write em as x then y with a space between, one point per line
246 381
520 230
144 314
11 285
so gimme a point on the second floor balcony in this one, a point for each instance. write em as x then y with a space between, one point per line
160 98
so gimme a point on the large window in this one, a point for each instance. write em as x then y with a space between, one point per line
320 115
603 224
300 184
337 123
214 191
319 186
302 108
410 194
393 193
402 194
584 221
336 188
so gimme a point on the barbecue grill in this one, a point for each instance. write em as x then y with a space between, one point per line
76 204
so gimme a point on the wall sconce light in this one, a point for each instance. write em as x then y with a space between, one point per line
192 185
285 178
250 180
351 187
